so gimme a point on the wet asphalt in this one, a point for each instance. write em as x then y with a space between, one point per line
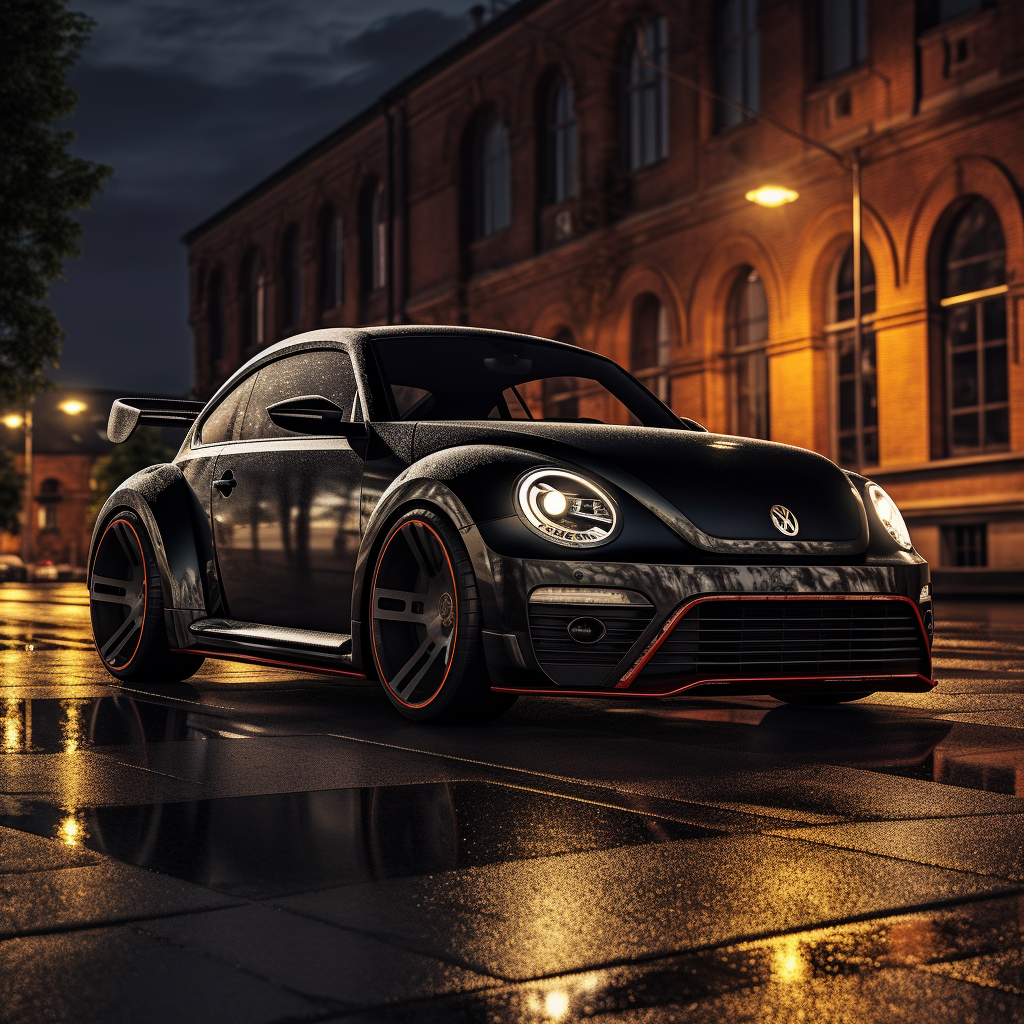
260 845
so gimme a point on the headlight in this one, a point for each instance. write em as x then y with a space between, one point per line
889 516
565 508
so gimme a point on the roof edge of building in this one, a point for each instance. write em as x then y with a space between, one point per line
454 53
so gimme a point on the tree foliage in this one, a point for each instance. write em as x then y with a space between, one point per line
11 484
40 182
144 448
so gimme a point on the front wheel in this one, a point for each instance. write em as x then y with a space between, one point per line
819 698
127 611
425 625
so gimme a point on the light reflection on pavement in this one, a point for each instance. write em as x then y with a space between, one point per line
259 845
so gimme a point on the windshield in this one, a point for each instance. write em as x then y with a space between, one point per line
479 377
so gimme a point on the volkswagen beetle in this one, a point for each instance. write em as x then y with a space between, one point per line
469 515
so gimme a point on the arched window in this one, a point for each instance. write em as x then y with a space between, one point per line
492 178
373 237
746 339
646 94
856 401
650 344
844 28
253 295
738 60
215 316
291 278
331 278
560 145
973 301
561 397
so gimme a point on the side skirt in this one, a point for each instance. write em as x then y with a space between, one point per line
304 649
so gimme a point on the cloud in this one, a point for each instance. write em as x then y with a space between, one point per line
184 144
235 41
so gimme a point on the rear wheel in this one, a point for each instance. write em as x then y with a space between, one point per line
819 698
126 607
425 625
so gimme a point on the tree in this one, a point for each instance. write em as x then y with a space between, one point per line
41 183
144 448
11 483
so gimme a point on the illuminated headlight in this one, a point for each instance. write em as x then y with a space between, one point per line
566 508
889 516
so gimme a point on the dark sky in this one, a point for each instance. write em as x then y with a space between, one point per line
191 102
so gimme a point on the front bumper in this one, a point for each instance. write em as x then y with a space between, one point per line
519 648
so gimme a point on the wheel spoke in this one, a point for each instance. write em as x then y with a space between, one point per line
414 535
130 596
423 648
120 637
129 553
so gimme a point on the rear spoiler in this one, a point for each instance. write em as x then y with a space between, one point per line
128 413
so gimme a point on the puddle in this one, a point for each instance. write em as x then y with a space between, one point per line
50 725
261 846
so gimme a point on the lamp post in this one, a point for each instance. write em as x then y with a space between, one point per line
777 195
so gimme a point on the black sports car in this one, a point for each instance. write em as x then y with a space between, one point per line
470 515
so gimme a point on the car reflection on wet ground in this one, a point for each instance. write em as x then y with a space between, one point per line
260 845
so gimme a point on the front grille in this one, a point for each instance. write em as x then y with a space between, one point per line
571 663
787 638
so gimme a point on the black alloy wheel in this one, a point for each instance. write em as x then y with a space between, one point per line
126 608
425 624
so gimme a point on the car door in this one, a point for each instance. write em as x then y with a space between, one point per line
286 506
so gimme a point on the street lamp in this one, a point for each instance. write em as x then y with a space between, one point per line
772 195
72 406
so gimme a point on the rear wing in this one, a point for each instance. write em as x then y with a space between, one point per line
128 413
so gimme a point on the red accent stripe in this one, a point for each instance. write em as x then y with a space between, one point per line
673 621
735 685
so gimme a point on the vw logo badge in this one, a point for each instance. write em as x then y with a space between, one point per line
784 521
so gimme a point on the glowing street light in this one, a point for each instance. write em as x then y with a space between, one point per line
72 407
772 195
13 421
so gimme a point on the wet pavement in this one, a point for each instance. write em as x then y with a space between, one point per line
258 845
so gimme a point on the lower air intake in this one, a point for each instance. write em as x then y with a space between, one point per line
786 638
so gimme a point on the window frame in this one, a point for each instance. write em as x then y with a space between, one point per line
560 136
745 355
747 45
492 177
645 94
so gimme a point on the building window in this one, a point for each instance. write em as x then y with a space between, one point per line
291 278
492 178
253 288
373 237
738 59
965 545
650 344
974 350
331 282
746 342
646 98
856 376
560 173
844 28
560 394
215 316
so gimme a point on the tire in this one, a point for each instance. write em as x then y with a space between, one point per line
819 698
127 610
424 621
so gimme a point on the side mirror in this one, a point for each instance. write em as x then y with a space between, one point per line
313 414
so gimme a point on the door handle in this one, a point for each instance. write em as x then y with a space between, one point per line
226 484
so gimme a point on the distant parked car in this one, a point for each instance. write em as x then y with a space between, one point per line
12 569
45 570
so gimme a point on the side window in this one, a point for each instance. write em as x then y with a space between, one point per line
225 422
324 372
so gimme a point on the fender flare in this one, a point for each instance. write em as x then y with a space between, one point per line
174 519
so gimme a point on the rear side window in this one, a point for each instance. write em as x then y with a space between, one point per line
225 422
324 372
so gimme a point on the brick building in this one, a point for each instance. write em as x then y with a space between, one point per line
65 447
542 176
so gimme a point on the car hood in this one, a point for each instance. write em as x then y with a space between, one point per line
709 487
